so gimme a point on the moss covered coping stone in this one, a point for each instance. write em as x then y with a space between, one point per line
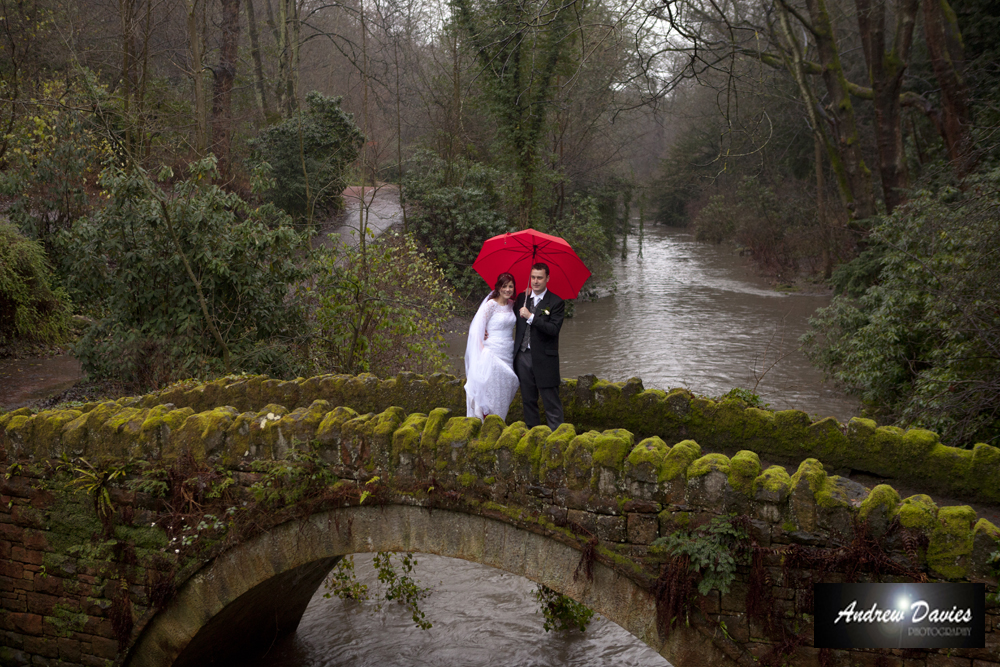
914 456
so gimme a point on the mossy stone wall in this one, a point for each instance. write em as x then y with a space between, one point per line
623 486
915 457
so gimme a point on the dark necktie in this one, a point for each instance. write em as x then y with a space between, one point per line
529 303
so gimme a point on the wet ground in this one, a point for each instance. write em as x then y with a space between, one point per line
27 381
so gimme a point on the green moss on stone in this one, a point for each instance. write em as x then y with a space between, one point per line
482 449
330 430
951 541
553 449
458 432
611 447
812 473
775 480
827 442
436 420
881 501
706 464
46 434
511 436
986 471
578 460
919 513
677 460
744 468
529 448
5 417
466 479
645 461
949 466
200 434
406 438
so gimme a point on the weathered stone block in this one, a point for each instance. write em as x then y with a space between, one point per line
642 528
706 491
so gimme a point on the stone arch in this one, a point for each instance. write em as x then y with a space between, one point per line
295 557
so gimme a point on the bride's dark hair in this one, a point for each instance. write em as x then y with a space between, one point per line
502 280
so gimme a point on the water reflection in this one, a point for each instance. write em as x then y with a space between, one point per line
481 616
694 315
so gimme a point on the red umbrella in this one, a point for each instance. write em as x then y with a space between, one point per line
516 253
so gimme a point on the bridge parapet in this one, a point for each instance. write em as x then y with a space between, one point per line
614 489
915 457
565 471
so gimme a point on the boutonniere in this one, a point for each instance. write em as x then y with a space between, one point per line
546 311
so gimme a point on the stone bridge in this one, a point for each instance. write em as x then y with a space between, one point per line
168 529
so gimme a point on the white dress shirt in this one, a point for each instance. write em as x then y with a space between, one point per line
536 300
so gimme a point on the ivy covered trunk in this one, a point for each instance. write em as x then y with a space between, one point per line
944 42
885 70
853 176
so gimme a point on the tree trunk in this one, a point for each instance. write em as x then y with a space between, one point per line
860 195
197 53
798 69
281 89
225 74
260 90
944 42
885 70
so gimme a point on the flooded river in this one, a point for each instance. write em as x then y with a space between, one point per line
685 315
694 315
481 617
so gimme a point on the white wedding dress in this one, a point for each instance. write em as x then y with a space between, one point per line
489 364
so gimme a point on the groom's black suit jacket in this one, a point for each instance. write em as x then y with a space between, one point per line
544 338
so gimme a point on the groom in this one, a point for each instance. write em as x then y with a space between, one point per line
536 349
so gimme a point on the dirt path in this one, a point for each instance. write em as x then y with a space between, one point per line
25 381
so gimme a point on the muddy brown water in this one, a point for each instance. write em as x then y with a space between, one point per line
482 617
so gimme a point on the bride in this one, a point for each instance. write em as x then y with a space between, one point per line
489 355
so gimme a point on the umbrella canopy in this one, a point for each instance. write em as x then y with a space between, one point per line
516 253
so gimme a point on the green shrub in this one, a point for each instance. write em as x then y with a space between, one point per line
31 309
52 163
562 613
381 310
921 344
455 208
131 261
309 155
714 552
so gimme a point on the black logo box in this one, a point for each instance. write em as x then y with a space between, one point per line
900 615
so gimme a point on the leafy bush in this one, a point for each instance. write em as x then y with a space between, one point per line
381 310
52 160
921 345
713 552
562 613
309 155
777 229
134 261
31 309
457 207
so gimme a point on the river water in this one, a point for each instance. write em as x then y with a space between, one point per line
481 617
694 315
686 314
